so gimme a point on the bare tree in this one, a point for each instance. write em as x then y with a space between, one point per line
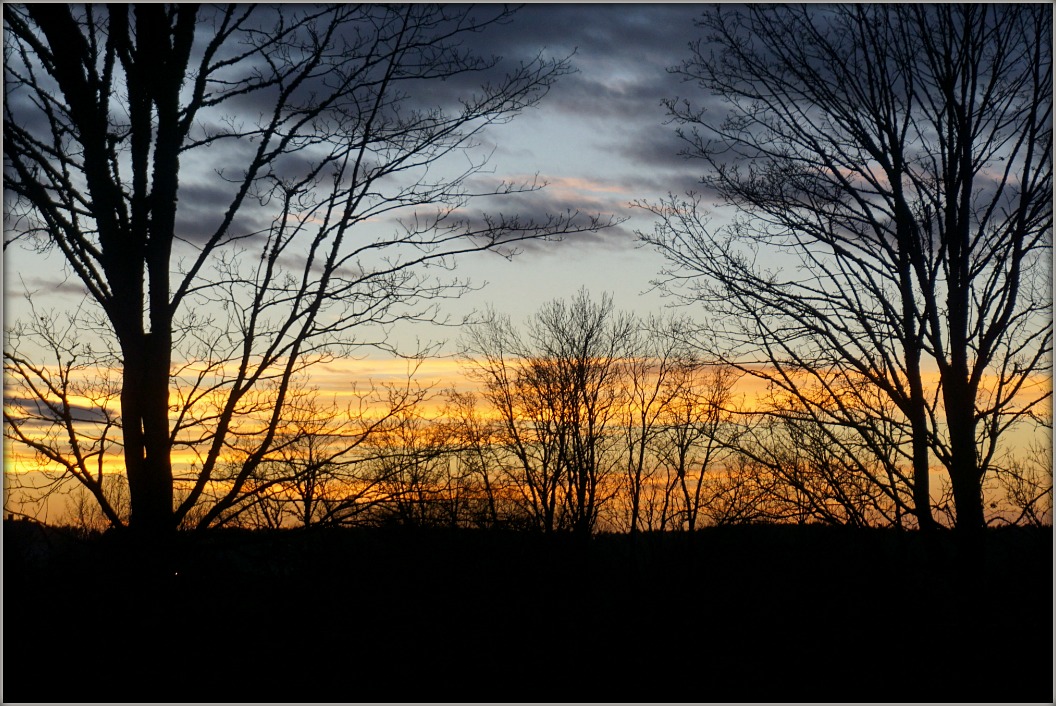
556 390
208 175
741 492
579 349
473 442
1024 487
493 350
407 467
678 424
62 394
891 167
84 511
806 468
321 467
651 380
814 473
699 434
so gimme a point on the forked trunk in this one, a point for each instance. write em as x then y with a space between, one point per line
144 409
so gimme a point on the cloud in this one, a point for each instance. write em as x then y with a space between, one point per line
59 283
25 406
623 53
562 197
203 204
622 56
635 31
425 80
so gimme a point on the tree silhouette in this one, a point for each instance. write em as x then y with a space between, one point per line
891 168
556 391
473 445
215 179
654 374
320 469
677 428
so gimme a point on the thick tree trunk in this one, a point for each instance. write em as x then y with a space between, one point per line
919 424
967 497
921 471
911 258
144 405
161 56
959 399
965 476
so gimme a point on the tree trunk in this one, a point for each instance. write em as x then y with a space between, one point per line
636 495
144 408
921 478
965 476
160 63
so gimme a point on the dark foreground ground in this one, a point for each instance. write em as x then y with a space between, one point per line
750 614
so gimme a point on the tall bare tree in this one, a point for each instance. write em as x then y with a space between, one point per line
557 391
577 365
890 167
473 441
698 435
651 380
219 180
322 467
677 423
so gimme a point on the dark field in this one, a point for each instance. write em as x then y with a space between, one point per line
727 615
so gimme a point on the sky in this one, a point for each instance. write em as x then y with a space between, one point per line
598 138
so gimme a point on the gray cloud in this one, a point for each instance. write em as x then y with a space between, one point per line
36 408
643 31
17 285
540 207
205 195
623 53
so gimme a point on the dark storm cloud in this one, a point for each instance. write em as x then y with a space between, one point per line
209 181
622 52
637 32
665 166
620 55
353 48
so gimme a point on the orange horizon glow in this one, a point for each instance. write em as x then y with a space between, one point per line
349 382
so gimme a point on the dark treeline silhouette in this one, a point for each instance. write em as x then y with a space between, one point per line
911 191
758 613
907 176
